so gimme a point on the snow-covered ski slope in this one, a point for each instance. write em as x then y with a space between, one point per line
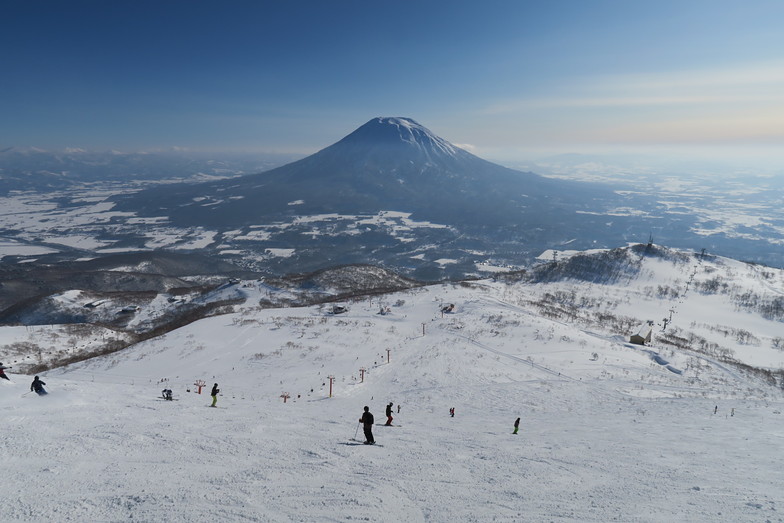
608 431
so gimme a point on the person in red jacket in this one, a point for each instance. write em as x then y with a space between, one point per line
2 371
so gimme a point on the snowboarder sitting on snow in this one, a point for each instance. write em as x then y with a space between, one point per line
214 394
167 394
38 386
367 426
389 414
2 371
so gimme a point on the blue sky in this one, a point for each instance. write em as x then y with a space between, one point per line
504 79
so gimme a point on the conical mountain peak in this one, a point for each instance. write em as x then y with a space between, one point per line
444 201
398 131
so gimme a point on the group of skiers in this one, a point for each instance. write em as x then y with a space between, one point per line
516 423
36 386
367 421
167 394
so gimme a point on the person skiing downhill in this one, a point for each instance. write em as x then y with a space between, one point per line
38 386
214 394
367 426
389 415
516 425
2 371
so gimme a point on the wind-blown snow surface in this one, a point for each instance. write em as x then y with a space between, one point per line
607 433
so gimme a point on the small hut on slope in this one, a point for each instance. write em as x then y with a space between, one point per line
643 334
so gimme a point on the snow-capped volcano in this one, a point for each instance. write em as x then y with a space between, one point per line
398 133
386 164
334 207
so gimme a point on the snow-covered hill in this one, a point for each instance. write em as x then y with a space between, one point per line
610 431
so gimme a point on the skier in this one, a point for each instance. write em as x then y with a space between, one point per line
389 414
715 409
167 394
2 371
214 394
367 426
516 425
38 387
452 412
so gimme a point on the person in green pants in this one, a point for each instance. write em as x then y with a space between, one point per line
517 425
214 394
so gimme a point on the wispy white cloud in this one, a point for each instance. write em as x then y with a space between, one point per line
746 76
731 127
466 147
622 100
750 84
740 104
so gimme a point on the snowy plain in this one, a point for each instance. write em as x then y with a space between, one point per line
608 433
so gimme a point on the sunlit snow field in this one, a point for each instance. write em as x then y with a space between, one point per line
607 433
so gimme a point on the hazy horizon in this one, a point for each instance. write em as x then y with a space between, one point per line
759 160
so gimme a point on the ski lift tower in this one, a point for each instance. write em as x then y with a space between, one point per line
331 381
